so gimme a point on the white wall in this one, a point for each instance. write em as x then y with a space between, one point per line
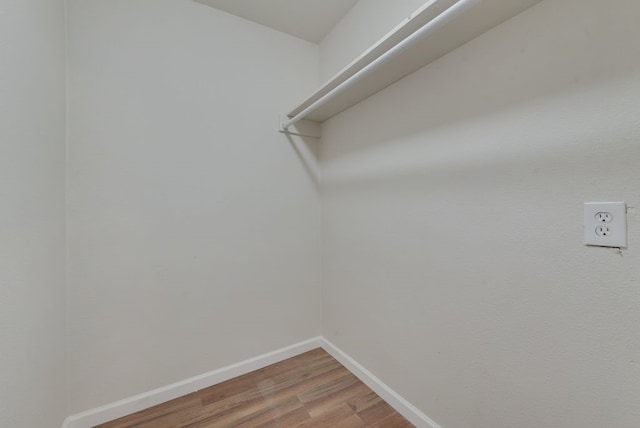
452 205
32 219
195 236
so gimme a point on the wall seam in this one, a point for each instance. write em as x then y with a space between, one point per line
321 206
66 208
322 240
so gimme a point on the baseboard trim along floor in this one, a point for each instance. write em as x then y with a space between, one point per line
395 400
143 401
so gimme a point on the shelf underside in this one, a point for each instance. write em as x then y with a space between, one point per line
367 75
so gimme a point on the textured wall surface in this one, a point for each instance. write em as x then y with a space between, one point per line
452 206
195 234
452 263
32 219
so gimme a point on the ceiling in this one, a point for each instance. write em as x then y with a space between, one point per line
307 19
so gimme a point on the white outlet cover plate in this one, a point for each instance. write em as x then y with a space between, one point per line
618 224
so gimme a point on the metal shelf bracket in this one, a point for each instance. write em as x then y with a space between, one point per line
301 127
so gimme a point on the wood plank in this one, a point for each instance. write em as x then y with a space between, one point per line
329 419
340 397
352 421
287 370
161 415
393 421
328 389
363 402
253 398
310 390
376 413
291 419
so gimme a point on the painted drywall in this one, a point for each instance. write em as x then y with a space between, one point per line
453 263
194 225
366 23
32 218
309 20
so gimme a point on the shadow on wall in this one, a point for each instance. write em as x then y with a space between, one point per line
551 131
467 104
453 263
307 150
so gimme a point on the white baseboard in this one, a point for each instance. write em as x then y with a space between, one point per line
395 400
143 401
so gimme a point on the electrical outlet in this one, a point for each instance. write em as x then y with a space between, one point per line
604 217
605 224
604 231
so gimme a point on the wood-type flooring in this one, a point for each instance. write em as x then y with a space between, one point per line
310 390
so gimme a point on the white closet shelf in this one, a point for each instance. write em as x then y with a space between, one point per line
434 30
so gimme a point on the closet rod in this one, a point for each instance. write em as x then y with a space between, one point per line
387 55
